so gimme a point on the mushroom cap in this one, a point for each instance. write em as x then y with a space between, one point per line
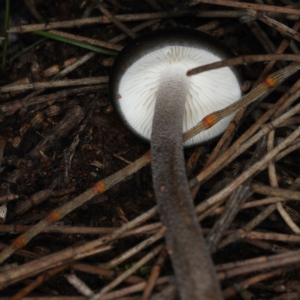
136 76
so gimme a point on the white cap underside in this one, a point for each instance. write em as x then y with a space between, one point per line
209 91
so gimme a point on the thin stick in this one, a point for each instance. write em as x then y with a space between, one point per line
53 84
146 229
287 218
81 287
261 263
260 7
154 274
269 246
251 204
104 272
98 20
243 59
275 192
277 26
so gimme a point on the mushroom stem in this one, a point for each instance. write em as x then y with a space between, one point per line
192 263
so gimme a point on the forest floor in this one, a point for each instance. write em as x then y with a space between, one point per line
60 135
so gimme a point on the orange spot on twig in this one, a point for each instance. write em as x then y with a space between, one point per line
100 188
18 243
53 217
270 82
209 121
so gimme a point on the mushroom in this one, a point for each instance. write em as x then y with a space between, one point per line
158 102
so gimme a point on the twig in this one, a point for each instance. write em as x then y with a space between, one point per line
275 192
275 248
244 59
133 279
259 263
35 199
287 218
250 204
154 274
99 20
261 7
146 229
79 285
277 25
53 84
